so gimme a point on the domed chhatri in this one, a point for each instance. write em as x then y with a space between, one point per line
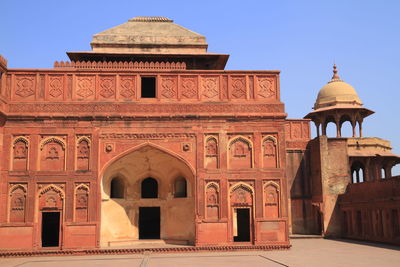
337 92
338 102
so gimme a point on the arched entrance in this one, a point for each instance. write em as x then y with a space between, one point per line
147 206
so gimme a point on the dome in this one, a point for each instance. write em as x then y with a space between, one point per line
337 92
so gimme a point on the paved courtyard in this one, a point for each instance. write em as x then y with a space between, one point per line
305 252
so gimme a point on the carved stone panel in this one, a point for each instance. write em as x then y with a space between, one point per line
52 154
85 87
240 154
51 197
56 87
266 87
210 87
83 153
189 87
127 88
169 87
20 154
25 87
241 195
238 88
17 199
81 202
271 196
269 155
212 201
107 87
211 153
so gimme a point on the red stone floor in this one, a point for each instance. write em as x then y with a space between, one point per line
304 252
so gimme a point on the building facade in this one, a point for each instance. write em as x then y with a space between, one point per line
147 137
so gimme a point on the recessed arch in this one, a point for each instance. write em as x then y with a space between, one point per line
125 219
55 139
357 172
240 153
117 187
243 185
149 188
151 145
180 187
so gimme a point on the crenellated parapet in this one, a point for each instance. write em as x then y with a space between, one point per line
120 65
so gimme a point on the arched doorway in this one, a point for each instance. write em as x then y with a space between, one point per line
148 174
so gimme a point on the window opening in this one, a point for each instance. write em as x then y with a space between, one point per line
148 87
149 188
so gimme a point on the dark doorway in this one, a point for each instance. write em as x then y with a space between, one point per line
149 188
148 87
50 229
243 225
149 222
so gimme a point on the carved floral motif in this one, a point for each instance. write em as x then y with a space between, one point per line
266 87
127 87
210 87
85 86
25 86
189 87
238 88
107 87
168 87
56 86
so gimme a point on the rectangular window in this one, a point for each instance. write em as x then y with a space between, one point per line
148 87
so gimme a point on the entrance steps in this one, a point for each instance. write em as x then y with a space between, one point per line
303 236
146 242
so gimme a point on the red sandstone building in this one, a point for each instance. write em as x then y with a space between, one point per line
148 137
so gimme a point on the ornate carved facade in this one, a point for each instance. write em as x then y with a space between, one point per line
121 145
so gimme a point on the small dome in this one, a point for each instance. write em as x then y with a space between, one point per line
337 92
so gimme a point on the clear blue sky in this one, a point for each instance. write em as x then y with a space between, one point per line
300 38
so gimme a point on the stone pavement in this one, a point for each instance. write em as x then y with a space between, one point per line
305 252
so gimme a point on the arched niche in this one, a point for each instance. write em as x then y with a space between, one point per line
117 187
271 199
120 218
211 153
241 194
20 153
240 153
52 154
180 187
17 203
270 152
83 144
212 201
81 213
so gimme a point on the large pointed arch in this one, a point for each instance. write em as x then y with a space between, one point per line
150 144
122 219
